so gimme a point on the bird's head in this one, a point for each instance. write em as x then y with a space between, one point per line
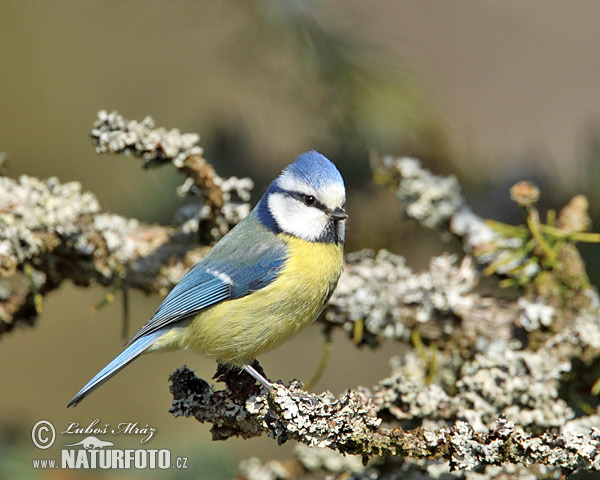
307 200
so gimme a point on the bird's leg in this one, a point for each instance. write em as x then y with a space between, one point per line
254 373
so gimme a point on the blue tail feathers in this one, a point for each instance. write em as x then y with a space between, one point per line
127 356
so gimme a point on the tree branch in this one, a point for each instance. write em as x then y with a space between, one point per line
52 232
346 424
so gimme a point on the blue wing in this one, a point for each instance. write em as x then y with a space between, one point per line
198 290
247 259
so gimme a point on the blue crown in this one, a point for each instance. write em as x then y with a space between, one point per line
315 169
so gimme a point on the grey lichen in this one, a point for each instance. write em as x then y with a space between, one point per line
312 462
220 209
326 460
51 232
406 395
435 201
396 469
254 469
521 384
476 233
193 216
115 134
3 160
535 315
390 299
430 199
500 380
32 208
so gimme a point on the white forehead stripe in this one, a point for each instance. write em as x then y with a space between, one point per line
290 183
331 195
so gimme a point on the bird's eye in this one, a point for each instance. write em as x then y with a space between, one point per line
309 200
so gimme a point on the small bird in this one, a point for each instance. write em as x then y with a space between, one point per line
266 279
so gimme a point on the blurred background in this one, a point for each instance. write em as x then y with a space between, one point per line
492 92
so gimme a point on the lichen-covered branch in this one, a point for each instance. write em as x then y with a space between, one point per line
51 232
444 304
157 146
389 300
539 256
347 425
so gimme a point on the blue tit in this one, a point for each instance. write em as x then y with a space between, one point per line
270 276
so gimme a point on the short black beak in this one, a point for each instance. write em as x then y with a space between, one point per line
338 214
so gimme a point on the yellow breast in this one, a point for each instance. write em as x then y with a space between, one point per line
236 331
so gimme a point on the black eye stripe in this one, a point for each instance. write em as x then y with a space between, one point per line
301 197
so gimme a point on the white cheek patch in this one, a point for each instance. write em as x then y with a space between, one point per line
297 219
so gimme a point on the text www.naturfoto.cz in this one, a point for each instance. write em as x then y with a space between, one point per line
114 459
